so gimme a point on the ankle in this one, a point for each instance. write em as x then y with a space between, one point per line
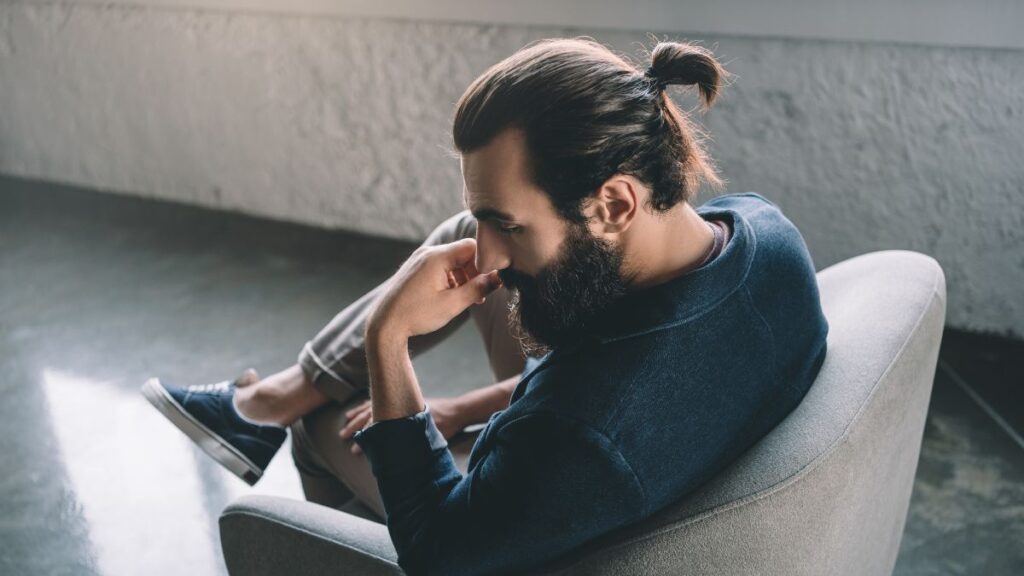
260 402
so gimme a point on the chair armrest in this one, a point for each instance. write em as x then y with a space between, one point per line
268 535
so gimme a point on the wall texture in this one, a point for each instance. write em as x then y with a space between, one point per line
345 123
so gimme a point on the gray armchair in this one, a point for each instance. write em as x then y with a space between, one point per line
826 492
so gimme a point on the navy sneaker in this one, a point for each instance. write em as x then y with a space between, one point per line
206 414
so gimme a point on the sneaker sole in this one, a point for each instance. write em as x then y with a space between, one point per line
218 448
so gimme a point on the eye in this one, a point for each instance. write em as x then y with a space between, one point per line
509 230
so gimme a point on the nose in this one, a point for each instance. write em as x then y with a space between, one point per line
490 250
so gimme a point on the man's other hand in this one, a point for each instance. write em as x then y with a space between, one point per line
446 412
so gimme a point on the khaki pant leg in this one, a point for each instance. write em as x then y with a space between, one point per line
331 473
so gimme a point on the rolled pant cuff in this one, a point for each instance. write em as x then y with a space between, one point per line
329 382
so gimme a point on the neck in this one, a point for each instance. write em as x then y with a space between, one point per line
666 245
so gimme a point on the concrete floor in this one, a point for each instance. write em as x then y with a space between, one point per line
98 292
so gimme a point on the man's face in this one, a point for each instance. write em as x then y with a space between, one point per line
559 275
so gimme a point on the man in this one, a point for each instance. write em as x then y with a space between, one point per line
671 338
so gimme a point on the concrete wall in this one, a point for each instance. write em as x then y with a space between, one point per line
344 122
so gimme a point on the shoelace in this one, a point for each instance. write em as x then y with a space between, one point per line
218 387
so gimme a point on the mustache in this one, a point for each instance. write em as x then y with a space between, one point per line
513 278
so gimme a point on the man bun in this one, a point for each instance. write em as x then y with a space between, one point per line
687 64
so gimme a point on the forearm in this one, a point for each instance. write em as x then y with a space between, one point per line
478 405
394 389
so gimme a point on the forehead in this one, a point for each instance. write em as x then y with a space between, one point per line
496 177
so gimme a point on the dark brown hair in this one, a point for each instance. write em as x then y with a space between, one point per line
588 113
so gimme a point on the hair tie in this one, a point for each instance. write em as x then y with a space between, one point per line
650 73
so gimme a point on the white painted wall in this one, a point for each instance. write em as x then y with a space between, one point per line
344 122
977 23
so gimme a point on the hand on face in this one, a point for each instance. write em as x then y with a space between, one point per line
431 287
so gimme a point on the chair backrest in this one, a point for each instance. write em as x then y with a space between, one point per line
827 491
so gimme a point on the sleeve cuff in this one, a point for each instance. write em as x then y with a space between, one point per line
401 445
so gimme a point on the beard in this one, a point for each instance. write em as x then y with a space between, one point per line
557 307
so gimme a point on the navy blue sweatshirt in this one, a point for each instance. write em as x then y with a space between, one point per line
672 384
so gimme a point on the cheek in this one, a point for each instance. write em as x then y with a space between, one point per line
544 251
530 256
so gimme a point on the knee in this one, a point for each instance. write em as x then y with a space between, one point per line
456 227
466 224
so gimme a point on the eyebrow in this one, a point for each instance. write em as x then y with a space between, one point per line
483 214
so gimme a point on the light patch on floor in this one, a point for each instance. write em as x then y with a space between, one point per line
140 480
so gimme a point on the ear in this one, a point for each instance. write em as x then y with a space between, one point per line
613 208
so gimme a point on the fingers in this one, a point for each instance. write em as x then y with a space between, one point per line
462 274
459 276
470 270
357 418
361 421
355 425
477 289
358 408
461 252
461 261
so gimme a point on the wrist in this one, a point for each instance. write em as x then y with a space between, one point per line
380 333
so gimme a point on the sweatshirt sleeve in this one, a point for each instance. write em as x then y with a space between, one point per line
542 486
